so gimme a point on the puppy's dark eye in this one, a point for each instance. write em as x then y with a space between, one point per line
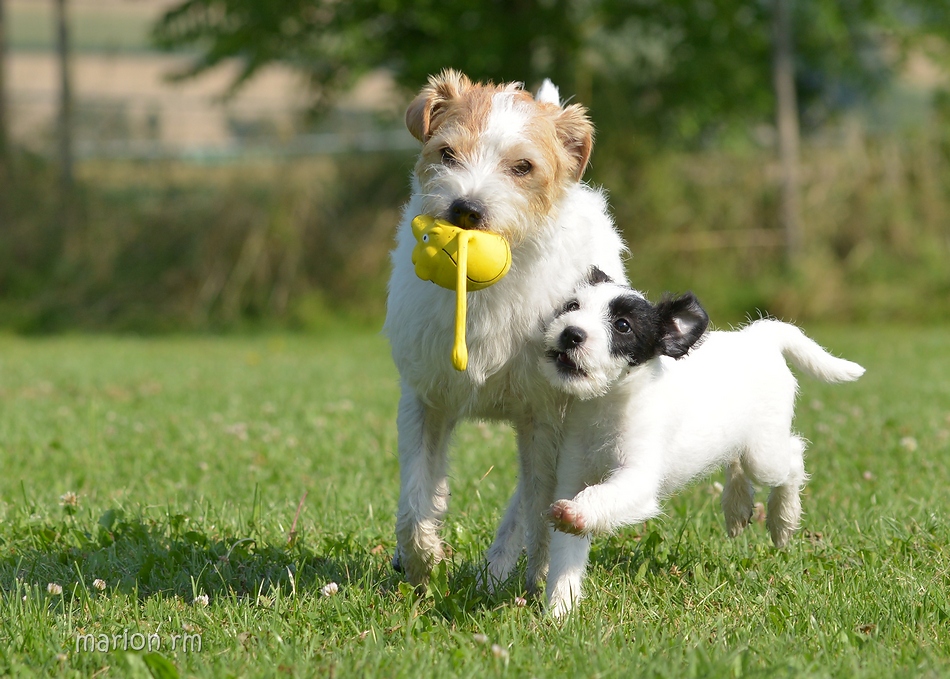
522 168
570 306
622 325
448 156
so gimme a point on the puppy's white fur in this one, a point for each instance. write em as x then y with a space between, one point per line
513 164
659 423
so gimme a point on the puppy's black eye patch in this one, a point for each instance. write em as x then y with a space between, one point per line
634 329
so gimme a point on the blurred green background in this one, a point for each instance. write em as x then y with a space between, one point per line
236 164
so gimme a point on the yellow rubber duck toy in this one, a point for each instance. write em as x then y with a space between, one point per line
461 260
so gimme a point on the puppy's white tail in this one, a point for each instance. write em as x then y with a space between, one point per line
806 354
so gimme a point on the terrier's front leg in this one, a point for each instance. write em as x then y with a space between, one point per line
424 490
502 556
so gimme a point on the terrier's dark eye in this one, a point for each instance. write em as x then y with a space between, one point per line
448 156
522 168
622 325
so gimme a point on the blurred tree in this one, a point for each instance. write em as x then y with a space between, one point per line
653 72
674 70
334 43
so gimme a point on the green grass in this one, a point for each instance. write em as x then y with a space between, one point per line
189 458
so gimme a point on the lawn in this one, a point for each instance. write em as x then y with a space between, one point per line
150 489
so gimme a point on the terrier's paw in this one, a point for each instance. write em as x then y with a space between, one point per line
567 517
491 579
736 524
415 566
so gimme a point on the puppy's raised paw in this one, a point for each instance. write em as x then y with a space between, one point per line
567 517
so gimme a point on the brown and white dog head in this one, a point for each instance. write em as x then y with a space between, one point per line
493 156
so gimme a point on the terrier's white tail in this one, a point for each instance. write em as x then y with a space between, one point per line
807 355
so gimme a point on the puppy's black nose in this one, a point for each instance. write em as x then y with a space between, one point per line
466 214
572 336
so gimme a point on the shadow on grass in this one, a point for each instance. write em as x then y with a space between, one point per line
455 592
172 557
651 552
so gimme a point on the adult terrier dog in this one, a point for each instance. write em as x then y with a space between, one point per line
498 159
650 423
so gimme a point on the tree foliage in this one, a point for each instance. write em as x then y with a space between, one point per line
679 68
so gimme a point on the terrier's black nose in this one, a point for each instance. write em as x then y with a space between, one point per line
466 214
572 336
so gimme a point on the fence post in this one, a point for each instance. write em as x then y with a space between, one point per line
4 118
786 114
65 120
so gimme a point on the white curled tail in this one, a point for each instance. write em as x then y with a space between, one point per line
807 355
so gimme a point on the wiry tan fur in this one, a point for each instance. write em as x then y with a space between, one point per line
519 159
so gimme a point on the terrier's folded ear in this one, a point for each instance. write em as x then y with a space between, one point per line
424 113
576 132
574 128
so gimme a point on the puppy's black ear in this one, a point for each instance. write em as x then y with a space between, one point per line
682 322
595 277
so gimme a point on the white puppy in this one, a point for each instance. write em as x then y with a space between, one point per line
498 159
651 423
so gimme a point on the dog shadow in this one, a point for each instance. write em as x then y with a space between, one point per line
169 558
654 552
172 558
457 590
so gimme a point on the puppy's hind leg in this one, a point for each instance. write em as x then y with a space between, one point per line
423 486
737 498
785 503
